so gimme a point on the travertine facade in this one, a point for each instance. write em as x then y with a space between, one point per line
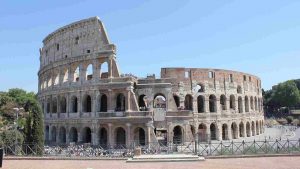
86 100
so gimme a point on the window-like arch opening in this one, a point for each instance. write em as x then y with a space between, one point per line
202 133
253 128
47 134
74 103
251 103
255 103
159 101
66 76
63 105
240 104
212 103
53 134
104 71
54 105
248 130
234 131
177 100
200 104
102 135
232 102
120 137
246 104
199 88
143 102
56 80
213 132
242 129
89 72
257 128
223 102
87 104
62 135
188 102
120 102
76 75
73 135
86 135
139 136
239 89
103 105
48 105
225 132
178 135
49 82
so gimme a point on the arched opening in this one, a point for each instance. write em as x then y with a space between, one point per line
248 130
87 104
143 102
89 72
232 102
139 136
223 102
200 104
255 103
56 80
188 102
48 105
234 131
213 132
225 132
202 133
120 137
177 100
251 103
86 135
53 134
50 82
159 101
120 102
74 103
178 135
76 75
103 105
246 104
62 135
66 76
257 128
73 135
242 129
200 88
104 71
47 134
54 105
102 135
253 128
240 104
239 89
212 103
63 105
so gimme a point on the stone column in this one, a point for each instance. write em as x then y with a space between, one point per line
94 135
70 75
94 104
206 107
230 134
57 133
96 70
79 103
219 132
68 104
109 63
149 128
128 135
82 74
208 132
110 107
128 99
67 134
245 129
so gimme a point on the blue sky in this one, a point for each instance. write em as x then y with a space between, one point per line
254 36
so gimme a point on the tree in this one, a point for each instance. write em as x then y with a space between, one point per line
287 94
37 130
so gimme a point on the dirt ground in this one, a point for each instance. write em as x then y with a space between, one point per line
233 163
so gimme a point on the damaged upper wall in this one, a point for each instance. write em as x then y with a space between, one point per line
76 39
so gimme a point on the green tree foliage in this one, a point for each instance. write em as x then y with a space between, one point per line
8 137
37 126
287 94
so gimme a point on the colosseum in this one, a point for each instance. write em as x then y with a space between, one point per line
86 99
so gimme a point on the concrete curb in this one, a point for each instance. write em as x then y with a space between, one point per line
60 158
252 156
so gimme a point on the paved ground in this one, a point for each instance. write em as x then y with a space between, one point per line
234 163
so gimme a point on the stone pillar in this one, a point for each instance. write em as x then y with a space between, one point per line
94 135
79 103
230 134
57 134
82 74
149 128
208 132
245 129
68 104
70 75
50 133
128 135
128 99
228 105
67 134
238 131
206 107
94 104
110 107
219 131
109 63
110 135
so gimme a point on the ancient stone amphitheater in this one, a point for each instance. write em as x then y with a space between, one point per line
86 99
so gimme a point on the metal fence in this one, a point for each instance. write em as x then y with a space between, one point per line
223 148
